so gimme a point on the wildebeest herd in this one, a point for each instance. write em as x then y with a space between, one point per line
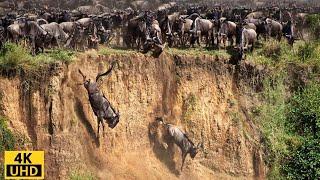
145 30
216 26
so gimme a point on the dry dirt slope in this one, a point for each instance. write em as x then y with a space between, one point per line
201 94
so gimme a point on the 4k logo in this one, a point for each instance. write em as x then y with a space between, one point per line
24 164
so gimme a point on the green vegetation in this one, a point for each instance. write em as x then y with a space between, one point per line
313 22
271 117
304 162
290 123
111 51
197 52
304 112
274 54
14 57
189 107
76 175
7 139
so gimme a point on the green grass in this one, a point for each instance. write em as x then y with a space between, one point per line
14 57
111 51
77 175
197 52
279 54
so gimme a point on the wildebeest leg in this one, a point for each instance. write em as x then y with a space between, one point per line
184 155
252 47
58 42
224 41
231 40
279 37
99 120
102 128
33 46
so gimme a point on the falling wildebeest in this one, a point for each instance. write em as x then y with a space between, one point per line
172 134
99 103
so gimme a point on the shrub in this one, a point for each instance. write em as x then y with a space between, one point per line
304 163
13 56
307 52
7 139
313 22
303 114
272 49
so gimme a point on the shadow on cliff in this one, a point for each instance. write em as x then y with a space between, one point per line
85 121
166 156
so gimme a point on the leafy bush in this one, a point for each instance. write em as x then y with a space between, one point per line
304 163
271 117
307 51
313 22
13 56
7 139
303 114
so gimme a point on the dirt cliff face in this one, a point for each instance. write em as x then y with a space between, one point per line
203 95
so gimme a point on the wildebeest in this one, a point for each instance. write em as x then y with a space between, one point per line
256 15
202 27
135 32
274 28
227 30
56 32
173 134
29 29
99 103
261 27
76 35
184 28
246 37
288 31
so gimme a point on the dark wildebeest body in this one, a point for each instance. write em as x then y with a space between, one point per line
99 103
227 30
58 35
261 27
172 134
202 27
288 32
29 29
274 28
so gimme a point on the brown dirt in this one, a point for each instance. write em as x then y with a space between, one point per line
202 95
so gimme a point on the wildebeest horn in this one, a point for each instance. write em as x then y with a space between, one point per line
106 73
83 76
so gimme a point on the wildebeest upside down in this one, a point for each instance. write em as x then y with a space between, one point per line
99 103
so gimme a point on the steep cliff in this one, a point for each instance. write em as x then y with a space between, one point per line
205 95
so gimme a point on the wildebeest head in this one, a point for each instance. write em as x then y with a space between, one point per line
195 149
